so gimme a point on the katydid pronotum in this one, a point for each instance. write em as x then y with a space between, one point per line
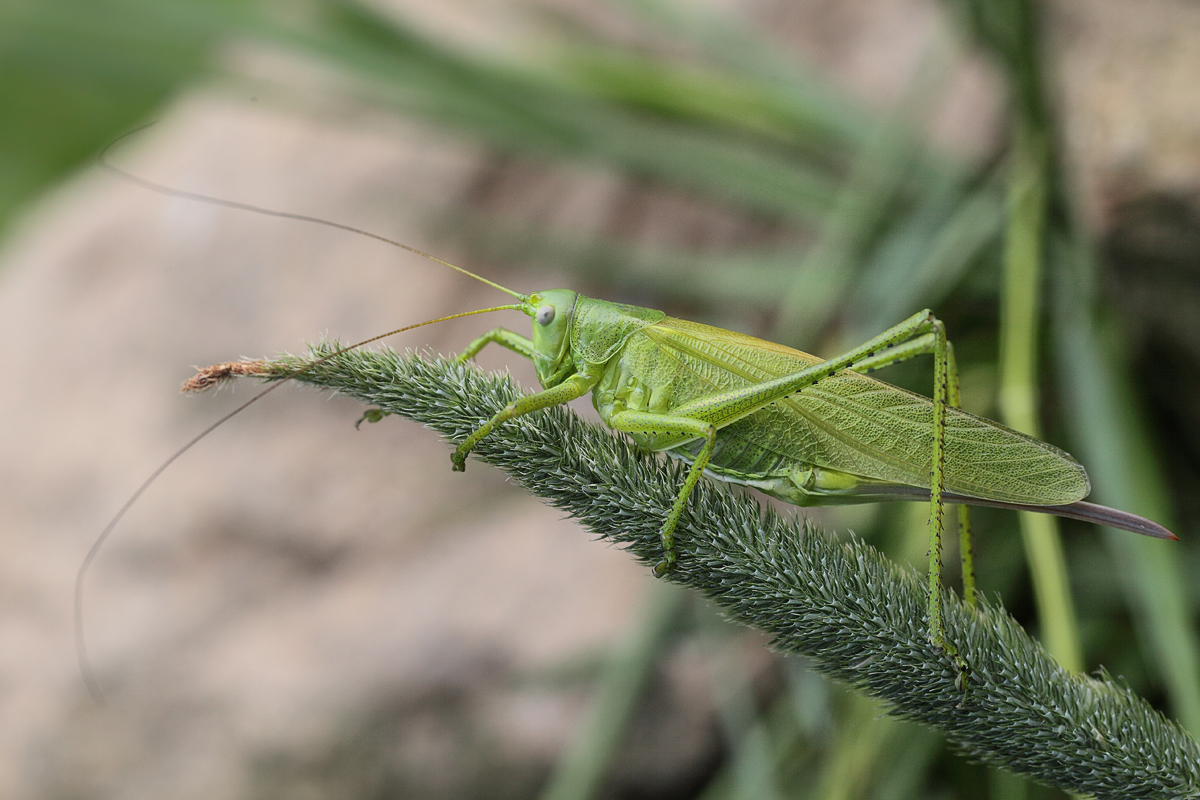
744 410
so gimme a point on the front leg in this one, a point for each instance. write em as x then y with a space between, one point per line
501 336
575 386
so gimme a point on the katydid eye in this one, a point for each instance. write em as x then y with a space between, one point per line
545 315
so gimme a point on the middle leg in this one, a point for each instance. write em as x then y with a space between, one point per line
648 422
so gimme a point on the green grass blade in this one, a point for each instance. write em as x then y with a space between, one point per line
929 254
709 98
523 112
580 771
1019 386
1113 441
750 770
76 74
862 207
724 40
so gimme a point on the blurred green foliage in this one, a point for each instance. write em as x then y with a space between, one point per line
852 222
75 75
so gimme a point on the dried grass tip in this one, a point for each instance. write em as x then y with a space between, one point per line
208 377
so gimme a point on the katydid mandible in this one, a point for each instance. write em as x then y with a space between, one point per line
808 431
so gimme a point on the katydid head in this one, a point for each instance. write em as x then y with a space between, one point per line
551 312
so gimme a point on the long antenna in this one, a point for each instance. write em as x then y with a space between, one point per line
89 677
270 212
85 668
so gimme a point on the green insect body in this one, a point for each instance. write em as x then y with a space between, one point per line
846 438
805 430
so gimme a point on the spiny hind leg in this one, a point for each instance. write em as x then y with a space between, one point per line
937 483
701 417
932 340
965 550
724 407
925 345
922 332
650 423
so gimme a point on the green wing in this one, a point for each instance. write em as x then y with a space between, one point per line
856 424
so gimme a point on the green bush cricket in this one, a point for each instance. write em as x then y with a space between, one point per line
808 431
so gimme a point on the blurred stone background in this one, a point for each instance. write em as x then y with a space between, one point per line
299 609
